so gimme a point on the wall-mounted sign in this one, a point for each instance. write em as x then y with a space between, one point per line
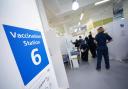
118 10
29 51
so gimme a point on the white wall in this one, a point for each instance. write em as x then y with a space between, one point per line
118 47
20 13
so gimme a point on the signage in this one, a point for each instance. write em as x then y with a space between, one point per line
118 10
28 50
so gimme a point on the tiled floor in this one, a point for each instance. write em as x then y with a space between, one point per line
86 77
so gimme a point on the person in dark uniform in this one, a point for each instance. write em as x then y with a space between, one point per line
80 41
76 43
92 45
102 50
84 50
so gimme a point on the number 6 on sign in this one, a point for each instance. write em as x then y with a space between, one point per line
35 56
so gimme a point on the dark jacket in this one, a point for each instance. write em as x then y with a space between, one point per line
102 39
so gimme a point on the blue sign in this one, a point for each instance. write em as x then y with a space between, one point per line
29 51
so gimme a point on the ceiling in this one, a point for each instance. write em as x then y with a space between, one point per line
59 12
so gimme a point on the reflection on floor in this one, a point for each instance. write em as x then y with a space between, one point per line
86 77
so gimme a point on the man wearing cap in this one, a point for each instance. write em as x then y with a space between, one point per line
102 50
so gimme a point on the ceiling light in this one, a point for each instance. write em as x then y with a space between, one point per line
81 16
101 2
75 5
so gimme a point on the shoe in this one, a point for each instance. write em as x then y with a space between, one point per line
98 69
107 68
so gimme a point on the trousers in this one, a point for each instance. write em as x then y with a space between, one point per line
102 51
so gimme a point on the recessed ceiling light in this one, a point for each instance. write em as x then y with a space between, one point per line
75 5
101 2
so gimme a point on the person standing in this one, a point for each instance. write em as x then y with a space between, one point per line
76 44
80 41
92 45
84 50
102 50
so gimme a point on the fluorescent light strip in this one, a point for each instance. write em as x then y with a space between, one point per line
81 16
101 2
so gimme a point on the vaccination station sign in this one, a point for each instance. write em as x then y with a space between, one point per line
28 50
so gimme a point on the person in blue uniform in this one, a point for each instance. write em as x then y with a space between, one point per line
102 50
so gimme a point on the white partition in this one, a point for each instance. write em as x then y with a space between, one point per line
63 45
55 52
118 47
